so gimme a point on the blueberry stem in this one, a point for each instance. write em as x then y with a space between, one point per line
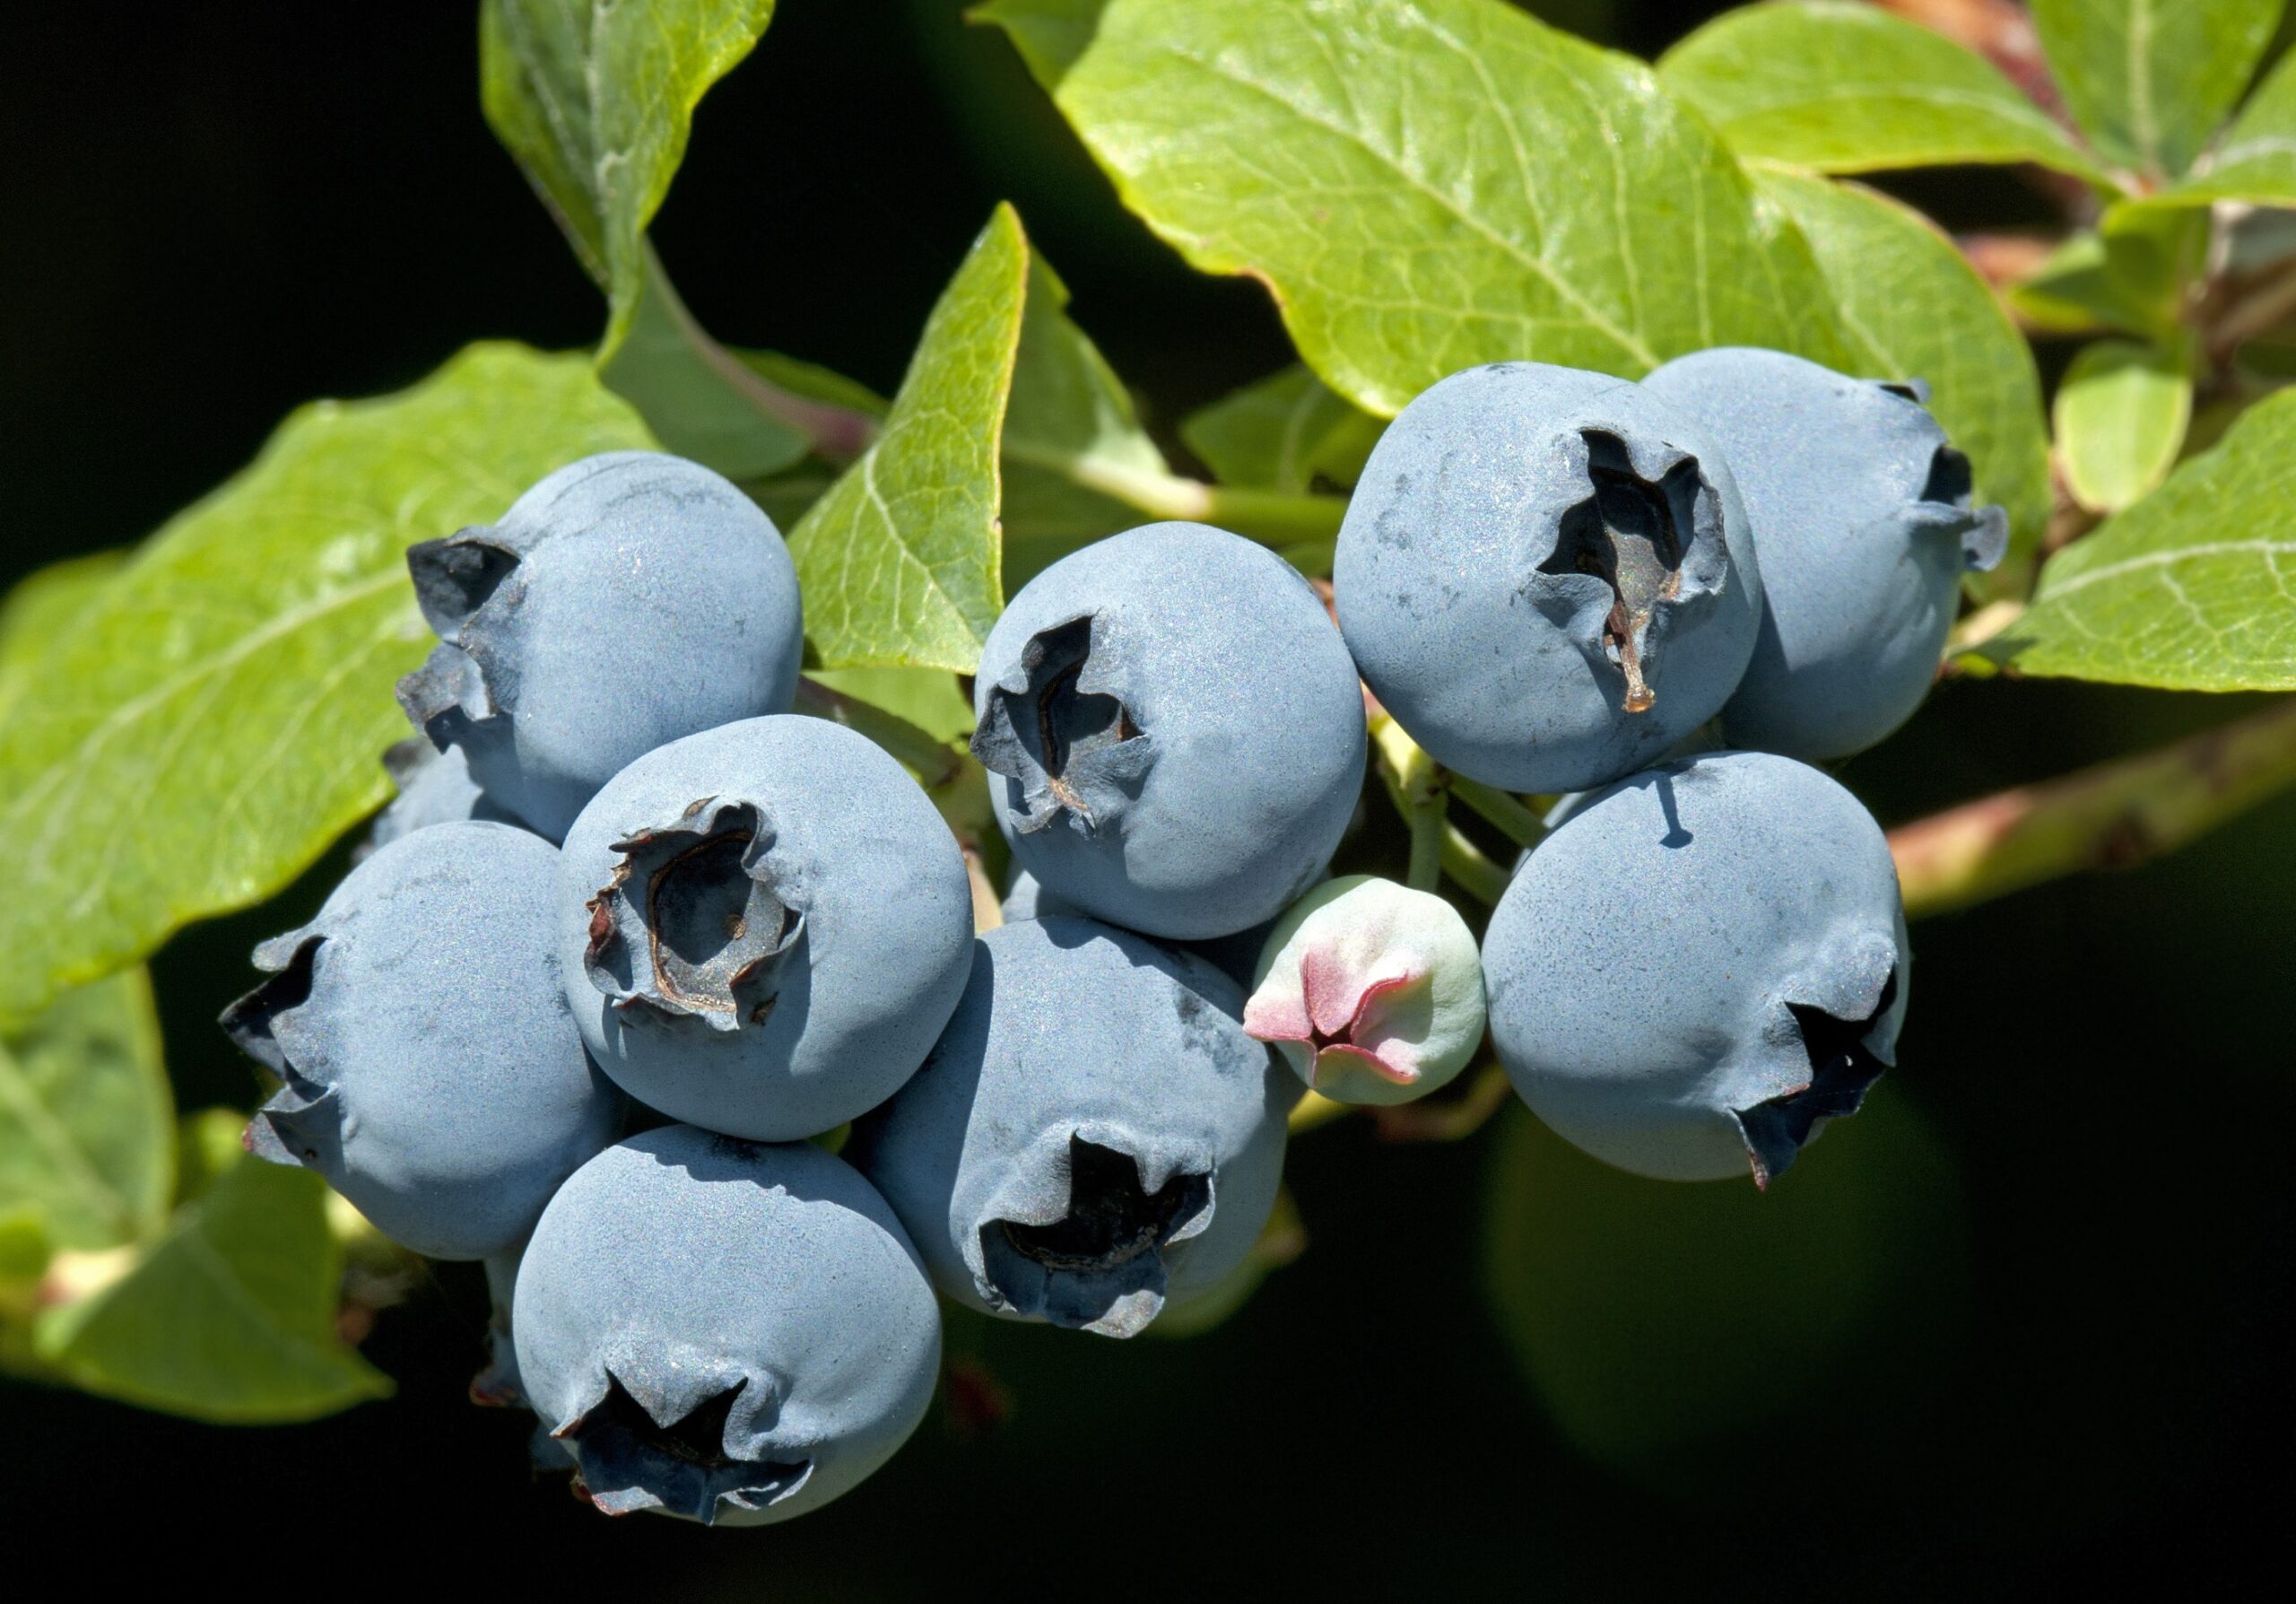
1472 868
1415 785
1272 517
1450 1118
837 433
2113 815
1316 1109
1501 811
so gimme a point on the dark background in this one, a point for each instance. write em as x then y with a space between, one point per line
2030 1325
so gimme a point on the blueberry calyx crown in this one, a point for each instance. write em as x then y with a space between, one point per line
449 696
1651 532
1842 1070
628 1461
301 1123
1056 730
693 926
1099 1263
1943 506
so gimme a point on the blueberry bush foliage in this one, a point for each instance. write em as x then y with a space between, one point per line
1420 186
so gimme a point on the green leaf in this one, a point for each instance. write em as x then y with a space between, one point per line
2257 159
39 611
700 400
25 1250
2069 292
229 1317
1427 185
209 1146
595 101
2122 409
1914 308
814 381
899 560
2148 81
1282 432
2133 273
2189 590
1072 440
1837 87
928 698
87 1121
213 720
1050 35
1653 1316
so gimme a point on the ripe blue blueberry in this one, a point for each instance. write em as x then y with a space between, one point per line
1173 730
763 927
624 601
434 788
1701 966
1093 1134
431 1069
729 1331
1545 575
1235 956
497 1386
1861 512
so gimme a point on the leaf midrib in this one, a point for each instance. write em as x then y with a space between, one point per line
2165 558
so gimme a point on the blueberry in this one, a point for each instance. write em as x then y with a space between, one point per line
624 601
724 1330
431 1070
434 788
1705 964
497 1386
1235 956
763 927
1093 1134
1370 991
1861 512
1545 575
1173 730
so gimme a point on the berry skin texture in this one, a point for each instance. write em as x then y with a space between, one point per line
1370 991
1093 1135
763 928
729 1331
1705 964
432 1072
624 601
434 788
1545 575
1173 731
1235 956
1862 513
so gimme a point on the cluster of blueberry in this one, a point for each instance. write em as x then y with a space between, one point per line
755 928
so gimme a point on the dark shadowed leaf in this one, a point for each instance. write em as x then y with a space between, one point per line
1284 432
228 1318
87 1121
1650 1317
